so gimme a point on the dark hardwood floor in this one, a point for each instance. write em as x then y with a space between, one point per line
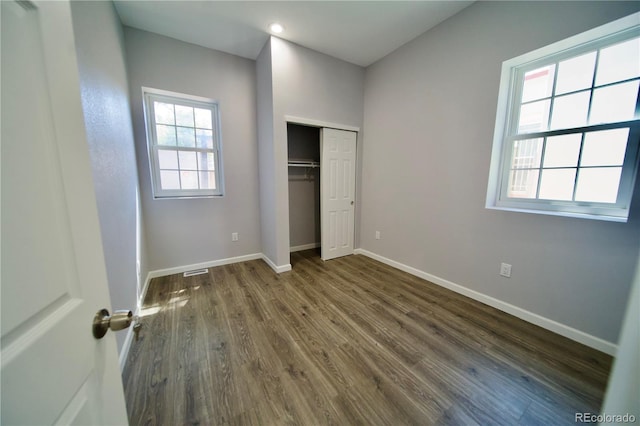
347 342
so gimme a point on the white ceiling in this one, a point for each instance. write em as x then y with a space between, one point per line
360 32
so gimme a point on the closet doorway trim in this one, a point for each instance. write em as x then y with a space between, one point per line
318 123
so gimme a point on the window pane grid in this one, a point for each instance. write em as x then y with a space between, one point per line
528 169
582 139
185 148
594 87
567 139
558 175
183 141
540 112
202 165
551 106
582 129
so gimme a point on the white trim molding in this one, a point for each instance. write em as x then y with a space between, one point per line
278 269
211 264
546 323
533 318
319 123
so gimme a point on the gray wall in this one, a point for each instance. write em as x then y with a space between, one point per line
315 86
266 152
105 102
303 143
186 231
623 389
429 114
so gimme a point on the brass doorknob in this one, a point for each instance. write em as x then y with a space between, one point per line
103 322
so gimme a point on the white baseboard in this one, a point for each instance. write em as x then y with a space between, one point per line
277 268
304 247
549 324
210 264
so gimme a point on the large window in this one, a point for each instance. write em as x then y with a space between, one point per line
183 138
568 126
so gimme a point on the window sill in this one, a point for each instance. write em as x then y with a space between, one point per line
606 218
182 197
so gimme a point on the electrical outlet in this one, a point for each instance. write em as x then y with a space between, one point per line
234 236
505 270
377 235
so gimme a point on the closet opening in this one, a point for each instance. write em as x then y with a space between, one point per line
322 187
303 145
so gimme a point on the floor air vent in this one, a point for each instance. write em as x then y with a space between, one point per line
195 272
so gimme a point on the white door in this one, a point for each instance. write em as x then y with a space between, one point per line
337 192
53 272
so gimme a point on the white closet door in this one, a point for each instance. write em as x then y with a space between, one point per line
53 276
337 192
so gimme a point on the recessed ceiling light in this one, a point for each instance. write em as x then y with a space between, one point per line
276 28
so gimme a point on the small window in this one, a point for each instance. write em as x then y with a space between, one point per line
568 126
183 137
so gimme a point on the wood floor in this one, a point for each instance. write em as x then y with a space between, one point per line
346 342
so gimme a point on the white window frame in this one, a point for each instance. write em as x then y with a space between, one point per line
506 126
149 95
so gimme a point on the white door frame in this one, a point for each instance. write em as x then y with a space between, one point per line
311 122
319 123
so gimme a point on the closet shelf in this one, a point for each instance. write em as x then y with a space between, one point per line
304 163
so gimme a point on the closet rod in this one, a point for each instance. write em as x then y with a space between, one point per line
307 164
